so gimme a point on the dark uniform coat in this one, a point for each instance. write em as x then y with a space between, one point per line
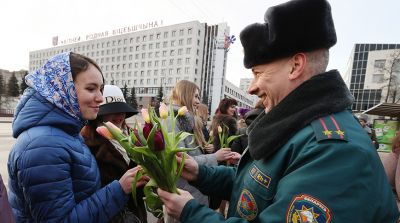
308 160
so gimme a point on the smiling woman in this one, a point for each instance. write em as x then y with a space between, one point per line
52 175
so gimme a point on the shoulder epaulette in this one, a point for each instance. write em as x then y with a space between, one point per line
328 128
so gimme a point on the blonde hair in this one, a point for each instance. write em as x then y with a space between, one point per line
202 112
182 95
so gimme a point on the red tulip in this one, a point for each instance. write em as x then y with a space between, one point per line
158 139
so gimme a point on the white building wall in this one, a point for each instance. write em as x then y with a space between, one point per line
150 59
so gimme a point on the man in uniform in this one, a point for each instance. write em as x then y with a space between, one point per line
308 160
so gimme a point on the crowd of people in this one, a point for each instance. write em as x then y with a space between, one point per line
298 156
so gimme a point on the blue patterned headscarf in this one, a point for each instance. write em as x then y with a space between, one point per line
55 83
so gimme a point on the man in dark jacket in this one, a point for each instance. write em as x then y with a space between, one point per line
308 160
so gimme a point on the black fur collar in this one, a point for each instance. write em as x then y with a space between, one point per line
321 95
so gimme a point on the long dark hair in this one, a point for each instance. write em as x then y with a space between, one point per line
80 63
224 105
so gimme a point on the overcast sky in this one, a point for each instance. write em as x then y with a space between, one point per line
28 25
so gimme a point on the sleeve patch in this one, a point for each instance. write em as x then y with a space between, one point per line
305 208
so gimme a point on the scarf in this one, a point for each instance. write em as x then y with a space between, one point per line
54 82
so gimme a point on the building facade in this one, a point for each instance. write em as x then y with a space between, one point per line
244 99
245 83
370 70
150 57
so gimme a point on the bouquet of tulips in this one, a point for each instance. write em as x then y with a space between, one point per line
154 149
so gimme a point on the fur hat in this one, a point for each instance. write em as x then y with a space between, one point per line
289 28
114 102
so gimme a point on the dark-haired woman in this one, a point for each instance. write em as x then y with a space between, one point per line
53 177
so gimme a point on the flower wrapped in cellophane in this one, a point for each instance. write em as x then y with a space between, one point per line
154 149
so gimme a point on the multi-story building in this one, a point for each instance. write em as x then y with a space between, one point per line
241 96
370 69
150 57
245 83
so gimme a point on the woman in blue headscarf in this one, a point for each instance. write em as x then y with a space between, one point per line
53 176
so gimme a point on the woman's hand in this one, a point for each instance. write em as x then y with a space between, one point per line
209 148
127 179
224 154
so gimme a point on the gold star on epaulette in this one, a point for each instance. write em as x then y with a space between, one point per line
327 132
340 132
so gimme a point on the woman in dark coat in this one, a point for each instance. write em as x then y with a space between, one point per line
111 158
53 177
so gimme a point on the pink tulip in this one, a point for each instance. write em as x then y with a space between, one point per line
103 131
114 127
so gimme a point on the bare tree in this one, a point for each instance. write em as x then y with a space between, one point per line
391 72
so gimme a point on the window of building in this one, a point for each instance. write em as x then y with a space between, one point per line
173 43
144 47
379 65
173 33
144 38
158 35
181 32
165 44
187 70
188 50
190 31
189 41
156 63
155 81
157 45
151 37
179 62
377 78
172 53
187 60
165 34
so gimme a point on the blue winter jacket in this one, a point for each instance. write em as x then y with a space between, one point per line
53 177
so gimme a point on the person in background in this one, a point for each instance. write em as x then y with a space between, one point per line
391 163
111 157
53 177
304 144
227 106
202 112
363 120
6 214
240 144
186 93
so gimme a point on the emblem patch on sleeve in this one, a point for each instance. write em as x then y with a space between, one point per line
306 209
247 206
